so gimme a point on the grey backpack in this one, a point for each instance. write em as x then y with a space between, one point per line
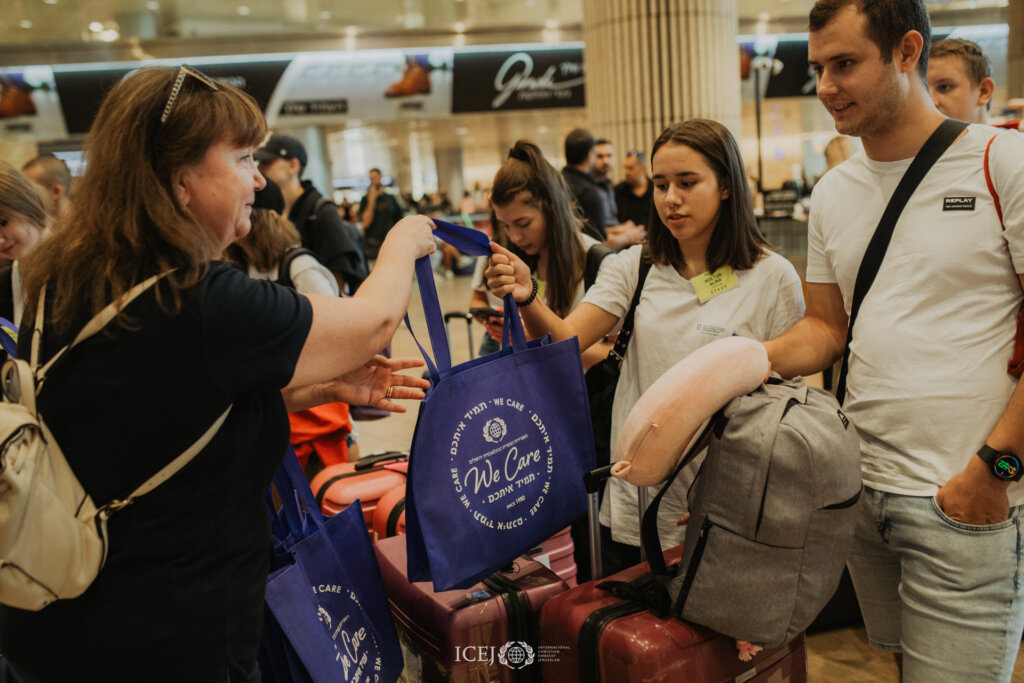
772 515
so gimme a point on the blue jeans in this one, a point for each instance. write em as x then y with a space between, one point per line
947 595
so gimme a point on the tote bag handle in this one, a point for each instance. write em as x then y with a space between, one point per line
474 243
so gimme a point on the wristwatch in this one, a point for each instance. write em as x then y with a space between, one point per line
1004 465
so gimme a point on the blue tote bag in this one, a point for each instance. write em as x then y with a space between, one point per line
327 616
500 447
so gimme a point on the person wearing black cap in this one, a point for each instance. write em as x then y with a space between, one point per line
282 159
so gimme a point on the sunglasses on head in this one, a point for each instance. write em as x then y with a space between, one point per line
184 72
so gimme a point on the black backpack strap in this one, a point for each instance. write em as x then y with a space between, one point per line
618 351
307 210
933 148
649 535
595 255
284 274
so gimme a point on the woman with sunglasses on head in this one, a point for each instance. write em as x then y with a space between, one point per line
22 227
532 215
169 184
701 223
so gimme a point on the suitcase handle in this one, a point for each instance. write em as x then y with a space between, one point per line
371 460
592 481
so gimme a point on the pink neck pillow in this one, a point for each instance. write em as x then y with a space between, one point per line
671 414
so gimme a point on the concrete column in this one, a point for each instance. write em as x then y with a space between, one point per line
653 62
1015 49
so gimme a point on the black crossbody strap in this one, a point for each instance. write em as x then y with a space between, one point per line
933 148
618 352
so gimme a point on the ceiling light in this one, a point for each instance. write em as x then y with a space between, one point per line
95 27
50 2
109 35
25 23
459 27
551 24
153 5
244 10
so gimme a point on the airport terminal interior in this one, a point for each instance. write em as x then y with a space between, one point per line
434 92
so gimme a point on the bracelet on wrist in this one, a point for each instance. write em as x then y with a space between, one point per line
533 294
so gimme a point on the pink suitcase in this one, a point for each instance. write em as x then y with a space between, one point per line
367 479
467 636
389 514
556 553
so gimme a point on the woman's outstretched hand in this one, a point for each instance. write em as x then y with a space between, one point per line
376 384
507 273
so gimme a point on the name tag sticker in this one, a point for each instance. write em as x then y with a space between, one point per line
710 285
958 203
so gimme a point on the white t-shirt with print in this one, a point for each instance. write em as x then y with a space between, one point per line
927 379
671 323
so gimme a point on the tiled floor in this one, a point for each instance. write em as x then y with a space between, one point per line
841 655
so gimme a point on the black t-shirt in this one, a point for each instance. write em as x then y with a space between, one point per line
591 204
181 594
7 292
631 207
334 242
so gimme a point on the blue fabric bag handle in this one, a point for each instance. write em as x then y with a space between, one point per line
474 243
6 340
293 489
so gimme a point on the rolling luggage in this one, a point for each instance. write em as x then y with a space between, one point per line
389 515
485 633
556 554
338 486
606 636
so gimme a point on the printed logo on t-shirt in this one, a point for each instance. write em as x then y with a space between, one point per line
711 330
958 203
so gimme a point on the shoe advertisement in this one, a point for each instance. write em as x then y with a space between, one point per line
29 106
365 85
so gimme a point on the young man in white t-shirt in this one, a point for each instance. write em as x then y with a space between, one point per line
936 562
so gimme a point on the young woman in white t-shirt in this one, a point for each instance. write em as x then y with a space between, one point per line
712 276
532 215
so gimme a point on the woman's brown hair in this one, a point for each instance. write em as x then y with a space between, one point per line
127 222
526 170
19 197
737 240
270 238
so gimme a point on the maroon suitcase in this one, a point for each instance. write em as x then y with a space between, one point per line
468 636
601 637
337 486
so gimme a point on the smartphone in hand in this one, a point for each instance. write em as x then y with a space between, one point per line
485 314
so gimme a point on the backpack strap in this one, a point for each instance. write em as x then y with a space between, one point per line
167 470
97 323
991 185
618 351
284 272
595 255
934 147
1015 366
